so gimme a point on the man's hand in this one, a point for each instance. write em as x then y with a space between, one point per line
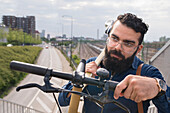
137 88
91 68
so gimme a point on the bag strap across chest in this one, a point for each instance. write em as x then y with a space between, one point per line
140 104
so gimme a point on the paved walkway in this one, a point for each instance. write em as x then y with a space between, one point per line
66 68
65 64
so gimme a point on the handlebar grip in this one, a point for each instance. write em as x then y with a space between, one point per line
112 84
28 68
81 66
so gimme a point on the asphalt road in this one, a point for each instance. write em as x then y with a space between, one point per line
33 97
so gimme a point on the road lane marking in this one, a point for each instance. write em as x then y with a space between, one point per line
50 57
33 98
49 97
43 105
57 64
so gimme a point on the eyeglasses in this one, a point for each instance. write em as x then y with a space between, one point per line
127 47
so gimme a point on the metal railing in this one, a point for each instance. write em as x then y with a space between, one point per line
72 61
152 108
10 107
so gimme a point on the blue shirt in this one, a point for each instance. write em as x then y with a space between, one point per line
90 107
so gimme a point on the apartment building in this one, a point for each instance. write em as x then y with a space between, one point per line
26 23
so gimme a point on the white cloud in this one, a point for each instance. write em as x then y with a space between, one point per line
73 5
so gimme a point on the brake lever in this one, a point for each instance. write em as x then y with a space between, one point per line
28 86
43 88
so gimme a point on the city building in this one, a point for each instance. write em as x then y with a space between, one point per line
97 34
37 34
9 21
26 23
89 38
48 36
64 36
78 38
104 37
42 34
30 25
164 39
3 31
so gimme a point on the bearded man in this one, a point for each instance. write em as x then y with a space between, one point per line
124 42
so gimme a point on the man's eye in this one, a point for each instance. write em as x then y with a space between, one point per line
115 39
128 44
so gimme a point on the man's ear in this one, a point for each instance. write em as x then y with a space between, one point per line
139 49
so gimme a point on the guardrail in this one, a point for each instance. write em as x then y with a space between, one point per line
72 61
152 108
10 107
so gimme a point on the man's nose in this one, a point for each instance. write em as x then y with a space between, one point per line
118 46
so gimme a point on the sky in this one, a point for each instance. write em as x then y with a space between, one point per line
88 16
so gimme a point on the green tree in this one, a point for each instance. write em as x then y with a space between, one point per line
1 33
18 37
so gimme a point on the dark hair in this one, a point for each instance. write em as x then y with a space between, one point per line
132 21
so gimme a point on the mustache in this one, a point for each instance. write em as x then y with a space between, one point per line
117 53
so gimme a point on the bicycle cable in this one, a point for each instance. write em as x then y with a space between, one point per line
57 103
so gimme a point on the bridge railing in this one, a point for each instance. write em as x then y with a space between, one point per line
152 108
10 107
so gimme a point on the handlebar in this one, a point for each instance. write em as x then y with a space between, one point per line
38 70
41 70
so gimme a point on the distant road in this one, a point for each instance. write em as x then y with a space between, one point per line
33 97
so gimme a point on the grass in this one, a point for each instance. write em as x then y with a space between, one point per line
8 77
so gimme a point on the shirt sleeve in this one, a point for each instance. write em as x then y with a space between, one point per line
160 102
62 98
91 59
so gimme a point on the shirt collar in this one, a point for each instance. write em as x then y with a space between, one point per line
136 62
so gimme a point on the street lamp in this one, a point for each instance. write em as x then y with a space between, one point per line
24 30
62 35
71 23
71 34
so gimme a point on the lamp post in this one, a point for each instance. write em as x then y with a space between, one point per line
24 30
62 35
71 34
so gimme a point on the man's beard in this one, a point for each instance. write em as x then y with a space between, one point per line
115 65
